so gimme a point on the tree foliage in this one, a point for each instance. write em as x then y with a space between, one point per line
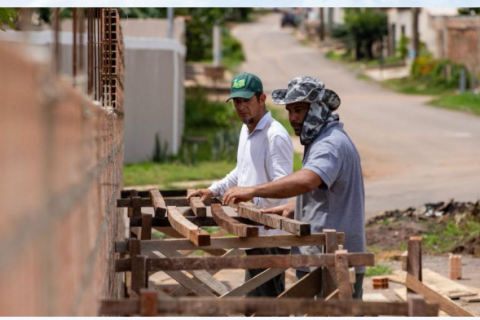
361 29
8 16
469 11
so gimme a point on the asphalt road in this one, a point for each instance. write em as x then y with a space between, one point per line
411 153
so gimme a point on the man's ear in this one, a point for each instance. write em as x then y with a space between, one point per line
263 98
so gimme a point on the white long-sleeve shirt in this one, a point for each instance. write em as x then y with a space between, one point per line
264 155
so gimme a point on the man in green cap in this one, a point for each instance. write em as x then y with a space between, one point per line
265 154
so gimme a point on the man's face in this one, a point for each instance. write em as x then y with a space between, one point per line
296 114
250 110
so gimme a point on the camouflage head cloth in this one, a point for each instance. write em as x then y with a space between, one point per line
322 103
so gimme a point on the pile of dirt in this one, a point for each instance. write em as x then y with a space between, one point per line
391 229
430 211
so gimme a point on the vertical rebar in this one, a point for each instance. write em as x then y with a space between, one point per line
81 28
74 49
89 52
101 24
56 46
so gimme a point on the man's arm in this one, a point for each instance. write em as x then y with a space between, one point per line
295 184
217 188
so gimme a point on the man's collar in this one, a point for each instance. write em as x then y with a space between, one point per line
263 122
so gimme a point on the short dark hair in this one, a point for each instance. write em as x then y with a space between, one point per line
258 95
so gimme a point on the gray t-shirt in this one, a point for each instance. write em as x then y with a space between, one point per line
339 202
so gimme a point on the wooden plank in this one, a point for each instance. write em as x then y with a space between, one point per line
255 262
262 241
139 272
230 224
417 307
254 282
342 275
146 227
329 275
471 299
445 304
414 258
198 221
174 234
250 211
158 203
202 275
136 207
307 287
169 202
198 207
132 193
333 296
187 229
145 194
261 306
182 278
183 291
148 303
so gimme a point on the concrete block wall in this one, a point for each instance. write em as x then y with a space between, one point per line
61 162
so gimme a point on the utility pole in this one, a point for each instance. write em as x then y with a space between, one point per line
321 27
415 33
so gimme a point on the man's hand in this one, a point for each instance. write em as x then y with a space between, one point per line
238 194
286 210
204 194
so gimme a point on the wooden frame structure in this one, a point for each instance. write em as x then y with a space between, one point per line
140 256
414 284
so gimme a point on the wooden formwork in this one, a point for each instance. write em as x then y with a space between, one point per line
412 264
140 256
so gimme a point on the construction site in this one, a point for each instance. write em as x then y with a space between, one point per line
86 96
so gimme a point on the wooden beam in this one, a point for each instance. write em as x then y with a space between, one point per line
230 224
146 226
307 287
431 296
249 262
198 207
342 275
139 272
169 202
174 234
148 303
145 194
198 221
414 258
183 291
202 275
254 282
418 307
332 296
252 212
187 229
329 283
266 241
158 203
136 206
261 306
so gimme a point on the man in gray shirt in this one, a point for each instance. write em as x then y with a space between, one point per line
329 188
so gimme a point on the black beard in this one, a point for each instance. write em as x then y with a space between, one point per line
248 121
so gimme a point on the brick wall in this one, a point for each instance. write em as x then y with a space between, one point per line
60 173
458 39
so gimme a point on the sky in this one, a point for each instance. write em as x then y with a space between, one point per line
239 3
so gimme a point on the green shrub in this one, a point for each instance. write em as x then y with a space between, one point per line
403 46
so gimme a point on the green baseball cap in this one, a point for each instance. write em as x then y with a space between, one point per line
245 85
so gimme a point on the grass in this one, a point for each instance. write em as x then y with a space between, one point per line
166 173
281 116
468 102
442 238
378 270
416 86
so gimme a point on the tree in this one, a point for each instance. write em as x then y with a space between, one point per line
8 16
364 27
469 11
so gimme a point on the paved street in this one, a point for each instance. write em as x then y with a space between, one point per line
411 153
